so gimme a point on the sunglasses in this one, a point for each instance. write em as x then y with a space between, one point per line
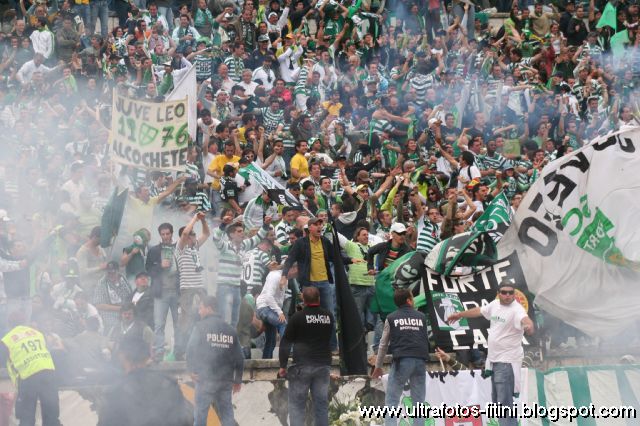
507 292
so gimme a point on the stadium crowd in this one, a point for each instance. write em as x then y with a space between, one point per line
395 121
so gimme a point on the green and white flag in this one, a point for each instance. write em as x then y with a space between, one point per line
476 247
576 235
445 304
496 217
608 18
276 191
403 272
472 248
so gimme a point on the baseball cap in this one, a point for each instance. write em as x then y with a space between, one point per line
506 283
398 228
263 37
363 176
314 219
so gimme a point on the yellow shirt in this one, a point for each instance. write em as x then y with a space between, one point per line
300 163
332 109
138 214
241 131
217 164
318 266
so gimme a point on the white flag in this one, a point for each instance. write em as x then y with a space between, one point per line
187 87
577 237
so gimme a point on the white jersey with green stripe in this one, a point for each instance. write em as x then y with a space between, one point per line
255 267
428 235
301 84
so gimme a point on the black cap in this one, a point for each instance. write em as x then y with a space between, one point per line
506 283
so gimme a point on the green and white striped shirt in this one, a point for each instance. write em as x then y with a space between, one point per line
235 65
255 212
188 260
282 232
271 120
428 235
497 162
255 267
301 83
230 257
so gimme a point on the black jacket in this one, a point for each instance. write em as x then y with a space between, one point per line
145 398
309 330
382 250
301 252
214 352
156 271
408 337
144 307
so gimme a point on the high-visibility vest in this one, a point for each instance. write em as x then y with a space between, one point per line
28 353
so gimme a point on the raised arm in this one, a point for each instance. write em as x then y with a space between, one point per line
186 232
171 188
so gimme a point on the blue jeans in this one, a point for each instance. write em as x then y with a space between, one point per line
271 324
229 303
327 301
167 12
220 395
502 386
161 307
403 370
301 380
99 9
363 294
216 202
84 10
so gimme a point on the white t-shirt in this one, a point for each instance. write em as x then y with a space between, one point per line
479 206
468 174
272 295
505 333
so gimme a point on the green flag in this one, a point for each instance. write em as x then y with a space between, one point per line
496 218
477 246
618 42
385 281
112 217
608 18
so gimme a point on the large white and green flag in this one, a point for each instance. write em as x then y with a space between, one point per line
577 238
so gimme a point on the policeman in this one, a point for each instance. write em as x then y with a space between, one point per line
405 335
215 361
31 370
309 330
